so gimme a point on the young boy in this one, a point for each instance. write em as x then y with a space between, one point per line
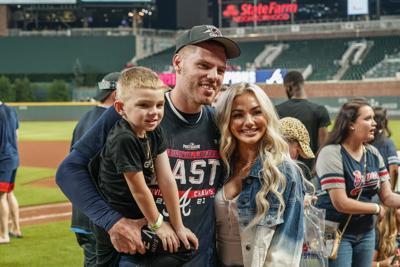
134 161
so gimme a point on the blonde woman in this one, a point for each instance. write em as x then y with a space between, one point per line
388 240
259 209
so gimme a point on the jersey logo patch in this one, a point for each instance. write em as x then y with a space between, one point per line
191 146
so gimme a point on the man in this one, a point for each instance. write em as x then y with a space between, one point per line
80 223
192 146
314 117
9 162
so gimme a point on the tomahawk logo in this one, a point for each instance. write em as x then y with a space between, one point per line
184 202
213 31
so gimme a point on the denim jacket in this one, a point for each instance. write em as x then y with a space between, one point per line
277 239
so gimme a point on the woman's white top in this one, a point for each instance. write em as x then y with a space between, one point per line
228 235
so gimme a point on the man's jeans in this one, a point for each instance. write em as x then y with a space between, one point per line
355 250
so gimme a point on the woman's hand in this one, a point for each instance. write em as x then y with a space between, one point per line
309 199
388 261
187 237
168 237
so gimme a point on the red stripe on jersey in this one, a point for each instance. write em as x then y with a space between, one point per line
202 154
332 180
192 194
383 173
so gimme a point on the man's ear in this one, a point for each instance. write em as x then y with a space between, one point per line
119 107
113 95
177 62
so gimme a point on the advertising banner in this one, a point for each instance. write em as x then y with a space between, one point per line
270 76
357 7
250 12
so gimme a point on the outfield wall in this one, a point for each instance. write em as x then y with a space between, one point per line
51 111
330 94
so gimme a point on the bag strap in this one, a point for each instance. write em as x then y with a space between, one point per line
359 194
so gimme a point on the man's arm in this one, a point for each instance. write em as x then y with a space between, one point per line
74 180
322 136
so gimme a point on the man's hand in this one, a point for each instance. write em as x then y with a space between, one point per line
126 237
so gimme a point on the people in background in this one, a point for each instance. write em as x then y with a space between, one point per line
385 145
387 240
9 162
315 117
352 172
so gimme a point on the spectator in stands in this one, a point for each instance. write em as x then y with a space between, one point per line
9 162
80 223
259 209
192 145
352 172
314 117
385 145
387 240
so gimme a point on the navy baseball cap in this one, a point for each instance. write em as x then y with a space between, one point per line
107 85
202 33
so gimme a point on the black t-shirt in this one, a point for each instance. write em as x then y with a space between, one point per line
125 152
312 115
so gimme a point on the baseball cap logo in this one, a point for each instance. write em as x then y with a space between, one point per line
212 31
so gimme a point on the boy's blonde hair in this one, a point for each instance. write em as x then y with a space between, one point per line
137 78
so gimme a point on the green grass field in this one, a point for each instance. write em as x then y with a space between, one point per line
43 130
51 244
29 194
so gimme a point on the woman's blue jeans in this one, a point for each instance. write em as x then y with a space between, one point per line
355 250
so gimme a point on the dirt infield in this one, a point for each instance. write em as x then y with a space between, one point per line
45 154
45 213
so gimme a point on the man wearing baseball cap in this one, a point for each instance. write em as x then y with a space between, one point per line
80 223
192 143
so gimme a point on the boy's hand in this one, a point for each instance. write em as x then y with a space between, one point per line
168 237
187 237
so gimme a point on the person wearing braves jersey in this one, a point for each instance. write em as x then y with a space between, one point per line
352 173
192 148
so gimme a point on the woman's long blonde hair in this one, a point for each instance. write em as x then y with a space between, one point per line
387 232
273 150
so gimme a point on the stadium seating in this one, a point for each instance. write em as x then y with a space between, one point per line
65 55
382 46
387 68
159 62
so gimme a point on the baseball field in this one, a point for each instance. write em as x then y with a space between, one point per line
47 240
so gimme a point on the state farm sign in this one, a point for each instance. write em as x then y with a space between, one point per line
260 12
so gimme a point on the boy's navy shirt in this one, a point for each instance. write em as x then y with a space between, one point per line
195 163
